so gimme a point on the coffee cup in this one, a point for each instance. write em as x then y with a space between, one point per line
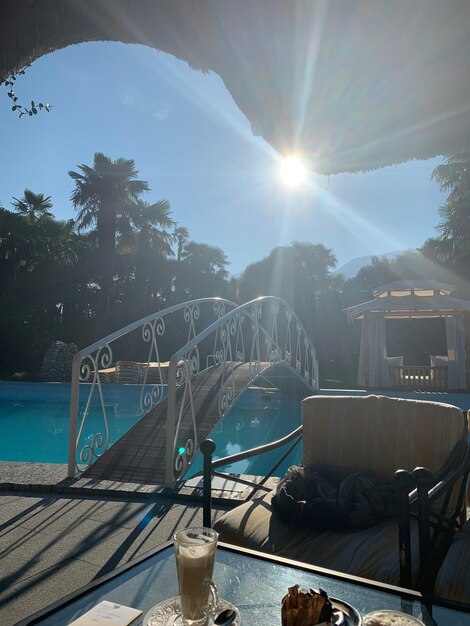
195 557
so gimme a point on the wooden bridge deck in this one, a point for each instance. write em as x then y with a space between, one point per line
139 455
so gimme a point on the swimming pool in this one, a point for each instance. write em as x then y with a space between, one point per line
34 422
34 418
258 417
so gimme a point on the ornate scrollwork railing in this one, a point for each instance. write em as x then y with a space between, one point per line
261 333
104 361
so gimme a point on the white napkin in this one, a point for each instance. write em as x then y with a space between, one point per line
107 614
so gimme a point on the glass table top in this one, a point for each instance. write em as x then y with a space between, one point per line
254 584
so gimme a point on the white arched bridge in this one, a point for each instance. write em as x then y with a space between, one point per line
225 349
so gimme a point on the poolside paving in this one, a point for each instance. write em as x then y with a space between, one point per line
50 545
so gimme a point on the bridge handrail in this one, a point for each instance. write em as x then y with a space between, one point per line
224 319
144 320
98 355
184 363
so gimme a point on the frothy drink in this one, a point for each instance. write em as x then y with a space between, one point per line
195 557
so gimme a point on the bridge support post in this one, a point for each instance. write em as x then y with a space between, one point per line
170 426
74 393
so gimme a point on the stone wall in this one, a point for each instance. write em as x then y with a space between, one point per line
57 362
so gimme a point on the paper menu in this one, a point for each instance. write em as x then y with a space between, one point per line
108 614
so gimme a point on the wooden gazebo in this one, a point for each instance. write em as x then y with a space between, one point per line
419 299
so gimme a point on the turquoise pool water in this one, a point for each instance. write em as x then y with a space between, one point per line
34 422
34 419
259 418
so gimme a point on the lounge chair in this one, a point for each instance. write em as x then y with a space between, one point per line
439 371
395 364
381 435
152 374
439 360
104 378
395 361
127 373
453 578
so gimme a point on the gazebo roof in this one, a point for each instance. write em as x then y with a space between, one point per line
354 85
401 288
411 299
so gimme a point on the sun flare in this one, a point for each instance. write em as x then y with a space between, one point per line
293 171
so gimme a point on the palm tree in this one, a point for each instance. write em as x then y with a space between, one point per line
33 251
103 193
54 247
151 223
454 176
181 235
15 246
203 271
437 249
33 205
58 242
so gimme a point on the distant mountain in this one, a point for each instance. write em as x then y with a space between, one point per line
352 267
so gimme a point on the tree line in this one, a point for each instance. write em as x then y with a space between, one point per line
124 257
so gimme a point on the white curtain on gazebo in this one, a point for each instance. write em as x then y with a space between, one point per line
364 356
379 373
373 354
456 369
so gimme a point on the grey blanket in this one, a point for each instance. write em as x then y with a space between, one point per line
327 498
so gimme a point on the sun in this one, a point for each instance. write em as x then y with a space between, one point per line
293 171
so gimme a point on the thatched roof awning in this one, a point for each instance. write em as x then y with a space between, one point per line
355 84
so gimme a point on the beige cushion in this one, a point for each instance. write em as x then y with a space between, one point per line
371 553
439 361
396 361
453 579
378 433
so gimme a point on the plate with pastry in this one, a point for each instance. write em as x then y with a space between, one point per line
309 607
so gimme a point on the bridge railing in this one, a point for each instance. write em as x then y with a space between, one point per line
261 333
108 360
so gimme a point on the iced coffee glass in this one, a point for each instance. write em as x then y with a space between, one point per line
195 556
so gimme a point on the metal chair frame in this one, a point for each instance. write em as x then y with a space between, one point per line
417 492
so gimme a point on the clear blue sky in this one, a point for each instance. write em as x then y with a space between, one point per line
196 149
